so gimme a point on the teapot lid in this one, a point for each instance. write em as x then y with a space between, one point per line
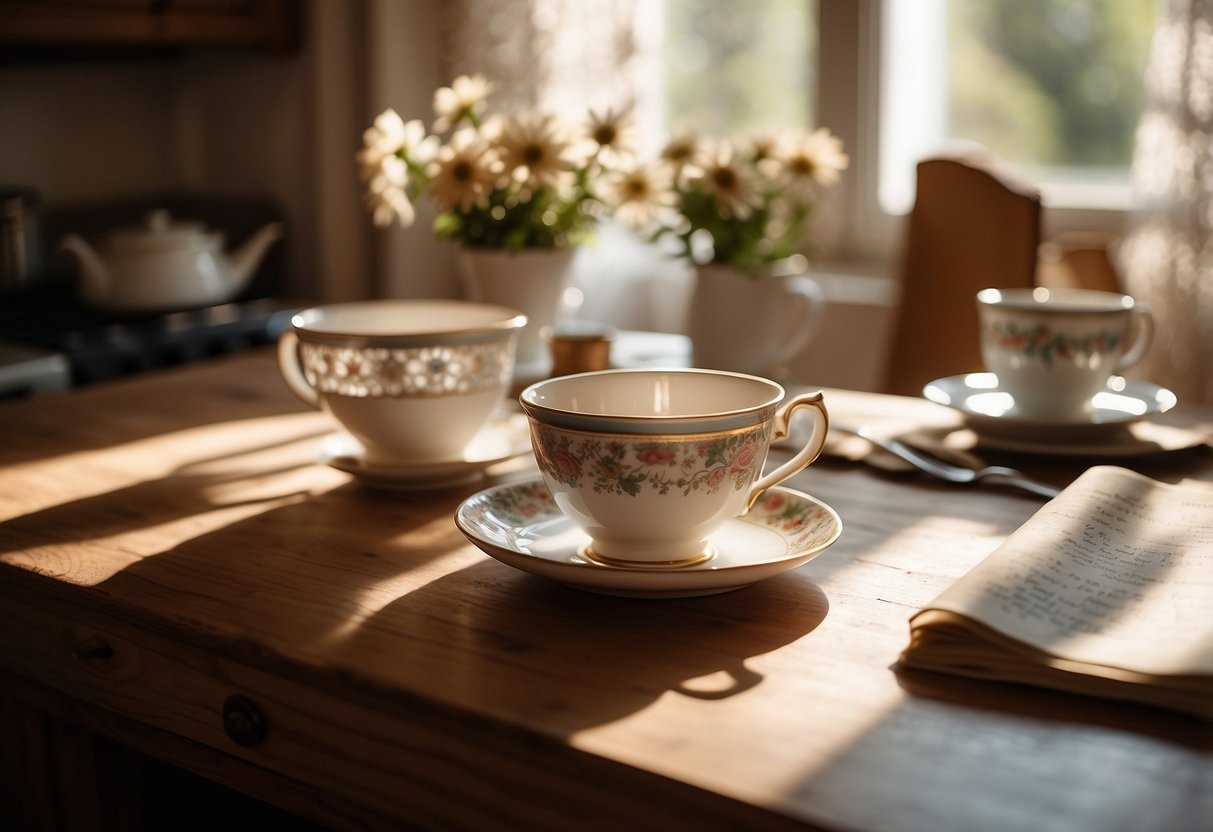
159 232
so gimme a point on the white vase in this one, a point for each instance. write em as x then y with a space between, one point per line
533 281
752 324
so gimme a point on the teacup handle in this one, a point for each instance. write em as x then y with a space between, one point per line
292 373
806 299
1144 321
805 456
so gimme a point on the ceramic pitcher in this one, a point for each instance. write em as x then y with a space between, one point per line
751 323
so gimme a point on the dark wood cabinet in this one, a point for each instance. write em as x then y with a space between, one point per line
272 25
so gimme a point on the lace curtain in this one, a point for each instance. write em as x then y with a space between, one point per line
1167 258
560 56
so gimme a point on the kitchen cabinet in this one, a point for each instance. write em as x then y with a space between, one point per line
272 25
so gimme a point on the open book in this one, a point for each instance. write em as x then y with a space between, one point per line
1106 591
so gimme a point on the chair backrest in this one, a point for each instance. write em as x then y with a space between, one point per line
973 225
1079 260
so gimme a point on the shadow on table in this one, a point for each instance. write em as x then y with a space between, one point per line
605 657
333 567
185 492
1057 706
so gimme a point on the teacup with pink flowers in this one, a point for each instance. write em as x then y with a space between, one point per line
649 463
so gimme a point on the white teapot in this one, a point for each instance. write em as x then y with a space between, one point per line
166 265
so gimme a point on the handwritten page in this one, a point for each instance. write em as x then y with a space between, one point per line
1116 571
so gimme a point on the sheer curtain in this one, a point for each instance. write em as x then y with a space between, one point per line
561 56
1167 258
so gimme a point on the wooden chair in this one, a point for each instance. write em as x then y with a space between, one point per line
1080 260
973 225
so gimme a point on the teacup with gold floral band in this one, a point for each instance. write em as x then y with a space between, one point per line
412 380
650 462
1053 350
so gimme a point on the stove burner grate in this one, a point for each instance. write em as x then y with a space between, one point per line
100 345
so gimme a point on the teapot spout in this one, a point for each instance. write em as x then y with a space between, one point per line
243 262
93 270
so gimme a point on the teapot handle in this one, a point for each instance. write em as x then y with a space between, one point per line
292 373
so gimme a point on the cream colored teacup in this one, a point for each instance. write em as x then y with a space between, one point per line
649 463
412 380
1053 350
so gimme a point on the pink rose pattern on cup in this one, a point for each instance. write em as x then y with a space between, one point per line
1039 340
617 467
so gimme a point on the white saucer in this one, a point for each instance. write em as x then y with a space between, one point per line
501 439
992 413
520 525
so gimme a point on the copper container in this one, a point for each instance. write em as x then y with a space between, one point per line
579 347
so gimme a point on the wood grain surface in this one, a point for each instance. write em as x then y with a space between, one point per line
181 519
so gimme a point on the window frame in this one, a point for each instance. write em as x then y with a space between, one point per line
848 102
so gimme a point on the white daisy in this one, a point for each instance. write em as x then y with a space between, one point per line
417 148
464 98
639 195
533 152
390 135
392 150
678 156
765 143
391 204
679 150
464 172
811 158
383 138
731 184
612 137
388 193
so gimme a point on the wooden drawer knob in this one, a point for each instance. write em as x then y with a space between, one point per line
243 721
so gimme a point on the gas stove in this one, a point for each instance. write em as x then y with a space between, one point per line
50 340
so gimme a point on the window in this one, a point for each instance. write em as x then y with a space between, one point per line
1052 86
733 67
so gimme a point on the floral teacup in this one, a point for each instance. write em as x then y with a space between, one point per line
649 463
412 380
1053 350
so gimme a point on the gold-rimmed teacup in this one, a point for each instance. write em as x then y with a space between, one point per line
649 463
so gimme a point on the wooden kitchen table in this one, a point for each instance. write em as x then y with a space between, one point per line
179 578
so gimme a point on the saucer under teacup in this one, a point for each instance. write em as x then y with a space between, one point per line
991 412
498 441
520 525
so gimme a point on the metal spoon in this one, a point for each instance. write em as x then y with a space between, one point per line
954 473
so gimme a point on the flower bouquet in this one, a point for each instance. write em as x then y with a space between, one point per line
739 211
521 181
743 202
